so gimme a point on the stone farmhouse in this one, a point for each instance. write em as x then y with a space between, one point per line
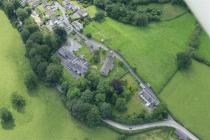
77 25
108 64
148 97
76 65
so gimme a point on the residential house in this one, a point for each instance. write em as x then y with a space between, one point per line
77 25
108 64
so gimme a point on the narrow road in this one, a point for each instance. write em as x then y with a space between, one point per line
168 123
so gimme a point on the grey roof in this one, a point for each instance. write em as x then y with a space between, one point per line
77 25
148 96
108 64
73 63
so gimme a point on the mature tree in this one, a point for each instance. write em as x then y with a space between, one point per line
82 84
54 73
93 80
80 110
18 102
22 14
40 69
9 8
36 37
96 57
179 2
99 98
106 110
61 33
183 60
31 81
122 137
55 59
31 27
65 86
101 3
117 85
72 93
93 117
89 35
99 16
121 104
141 20
87 96
7 119
25 34
160 112
43 50
52 41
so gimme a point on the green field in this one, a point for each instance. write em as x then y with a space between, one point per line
44 118
152 50
188 96
204 48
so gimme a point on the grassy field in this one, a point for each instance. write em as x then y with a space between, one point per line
169 11
187 97
204 48
44 118
152 50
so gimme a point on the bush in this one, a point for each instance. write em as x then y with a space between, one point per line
18 102
31 81
7 119
183 60
99 16
89 35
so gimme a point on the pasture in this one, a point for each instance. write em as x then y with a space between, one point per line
151 50
204 48
187 97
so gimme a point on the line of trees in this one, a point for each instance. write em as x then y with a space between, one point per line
129 11
184 59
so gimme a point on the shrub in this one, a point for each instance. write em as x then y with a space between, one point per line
18 102
31 81
183 60
7 119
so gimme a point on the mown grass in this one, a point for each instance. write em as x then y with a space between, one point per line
204 48
187 96
152 50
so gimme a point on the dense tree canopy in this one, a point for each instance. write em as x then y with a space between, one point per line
183 60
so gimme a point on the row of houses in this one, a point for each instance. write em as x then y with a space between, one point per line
148 96
32 3
77 11
73 63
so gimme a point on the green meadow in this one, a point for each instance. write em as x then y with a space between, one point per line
187 96
204 48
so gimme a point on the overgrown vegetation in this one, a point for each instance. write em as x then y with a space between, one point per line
18 102
129 11
7 119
